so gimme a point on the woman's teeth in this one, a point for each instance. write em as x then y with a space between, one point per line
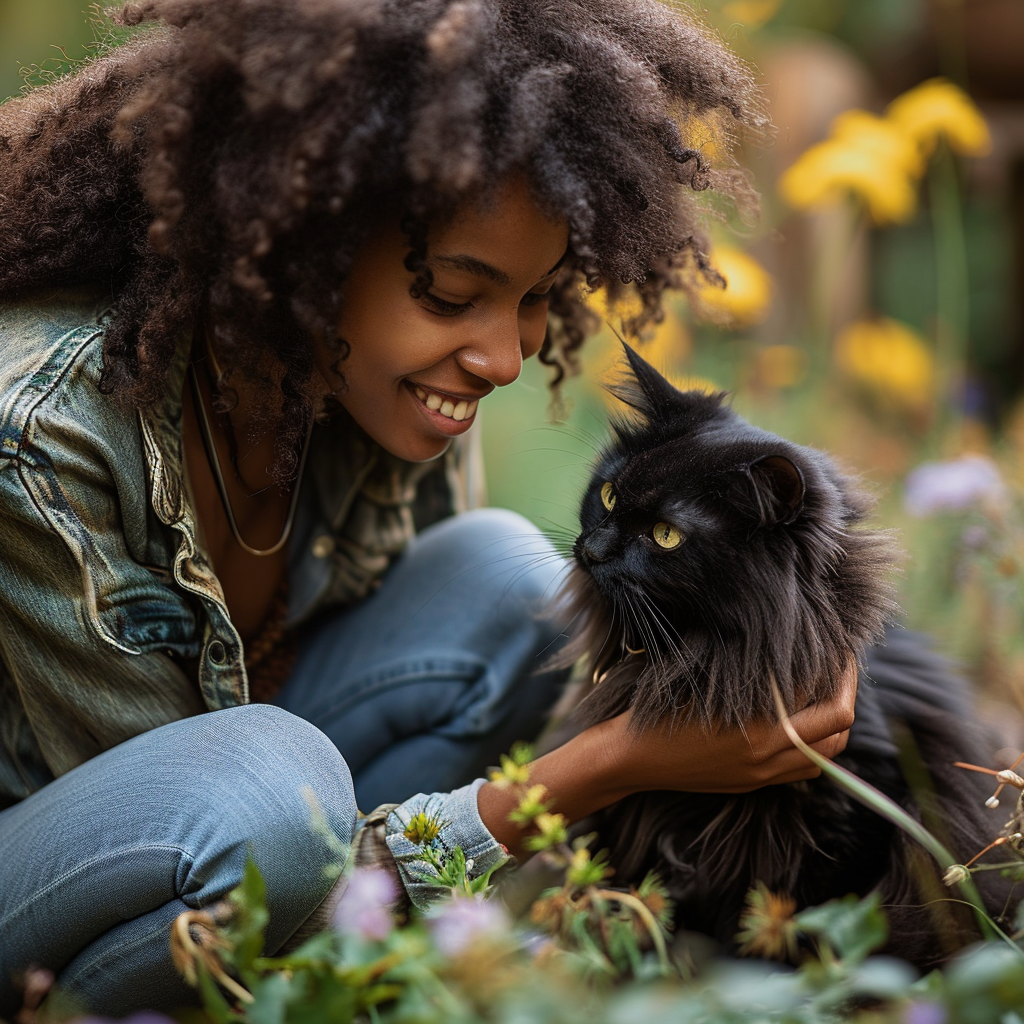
457 411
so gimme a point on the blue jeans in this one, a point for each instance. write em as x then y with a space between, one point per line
415 690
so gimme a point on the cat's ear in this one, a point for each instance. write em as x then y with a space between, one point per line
648 392
778 488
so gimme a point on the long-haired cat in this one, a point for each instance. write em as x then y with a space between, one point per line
713 558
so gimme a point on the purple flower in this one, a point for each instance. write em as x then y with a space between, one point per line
365 908
924 1013
952 486
459 922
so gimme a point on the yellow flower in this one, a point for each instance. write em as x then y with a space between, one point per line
781 366
939 109
709 387
871 164
704 133
889 357
531 804
625 307
746 297
422 829
510 773
879 137
552 829
752 13
767 927
669 346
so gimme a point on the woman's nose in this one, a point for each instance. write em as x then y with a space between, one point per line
497 355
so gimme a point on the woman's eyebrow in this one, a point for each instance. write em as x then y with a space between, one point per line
471 265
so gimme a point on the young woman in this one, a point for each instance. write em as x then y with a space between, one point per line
260 264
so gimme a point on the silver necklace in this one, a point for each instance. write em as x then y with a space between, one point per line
214 463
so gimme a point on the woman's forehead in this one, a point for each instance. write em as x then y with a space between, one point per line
505 237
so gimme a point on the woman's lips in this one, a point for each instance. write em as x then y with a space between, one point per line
449 414
457 409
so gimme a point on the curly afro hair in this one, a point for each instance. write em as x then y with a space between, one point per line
232 156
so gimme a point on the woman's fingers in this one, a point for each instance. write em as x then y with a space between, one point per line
829 718
685 756
832 746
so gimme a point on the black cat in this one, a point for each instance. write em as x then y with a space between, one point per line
713 558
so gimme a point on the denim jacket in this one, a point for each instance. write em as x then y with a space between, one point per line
112 621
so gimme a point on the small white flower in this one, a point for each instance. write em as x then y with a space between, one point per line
955 873
1008 778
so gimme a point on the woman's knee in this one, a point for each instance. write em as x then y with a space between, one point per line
277 792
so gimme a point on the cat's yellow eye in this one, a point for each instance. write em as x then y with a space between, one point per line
666 536
608 495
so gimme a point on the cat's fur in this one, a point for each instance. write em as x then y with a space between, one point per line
777 578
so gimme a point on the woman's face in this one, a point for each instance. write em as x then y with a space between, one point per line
418 367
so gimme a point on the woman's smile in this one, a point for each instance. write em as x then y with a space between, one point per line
418 365
456 411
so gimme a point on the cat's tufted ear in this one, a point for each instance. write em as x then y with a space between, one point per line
778 489
648 392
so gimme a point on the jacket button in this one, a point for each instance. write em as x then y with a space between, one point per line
323 546
216 652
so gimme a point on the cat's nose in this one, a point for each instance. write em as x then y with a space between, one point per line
594 549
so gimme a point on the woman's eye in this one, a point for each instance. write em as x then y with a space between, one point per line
442 306
534 298
608 496
666 536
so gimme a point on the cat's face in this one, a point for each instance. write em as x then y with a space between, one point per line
674 519
714 556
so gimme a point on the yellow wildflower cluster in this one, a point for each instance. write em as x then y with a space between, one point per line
939 109
889 357
510 773
746 297
879 160
422 829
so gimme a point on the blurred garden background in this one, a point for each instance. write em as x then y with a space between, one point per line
875 310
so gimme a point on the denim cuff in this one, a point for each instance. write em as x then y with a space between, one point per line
458 824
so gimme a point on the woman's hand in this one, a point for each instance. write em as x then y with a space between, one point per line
732 760
610 761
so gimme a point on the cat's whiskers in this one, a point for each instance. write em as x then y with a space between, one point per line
673 673
592 441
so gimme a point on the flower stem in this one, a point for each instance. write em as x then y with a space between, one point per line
865 793
643 912
952 308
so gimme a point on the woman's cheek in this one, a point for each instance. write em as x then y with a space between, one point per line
533 327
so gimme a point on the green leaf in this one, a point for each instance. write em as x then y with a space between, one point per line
316 952
852 927
984 984
246 928
271 996
213 999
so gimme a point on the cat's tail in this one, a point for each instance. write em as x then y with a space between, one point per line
928 712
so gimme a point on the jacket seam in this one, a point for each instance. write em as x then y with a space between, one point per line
23 410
